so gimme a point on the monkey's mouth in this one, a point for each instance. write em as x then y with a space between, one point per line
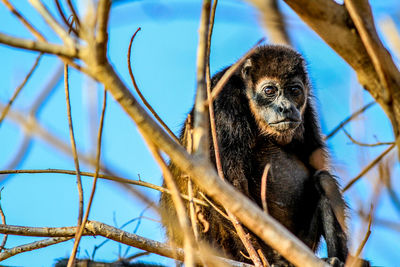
285 124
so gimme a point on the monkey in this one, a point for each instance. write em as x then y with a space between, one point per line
265 115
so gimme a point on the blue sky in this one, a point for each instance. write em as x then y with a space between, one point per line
164 60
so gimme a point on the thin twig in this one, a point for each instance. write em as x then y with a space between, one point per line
348 119
369 166
75 155
239 229
147 104
24 21
209 37
229 72
72 8
96 175
51 21
364 144
107 177
64 18
355 259
3 220
19 88
189 242
7 253
214 206
264 187
192 206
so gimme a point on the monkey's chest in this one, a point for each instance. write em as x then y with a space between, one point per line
287 186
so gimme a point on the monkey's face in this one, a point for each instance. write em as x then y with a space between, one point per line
278 105
276 85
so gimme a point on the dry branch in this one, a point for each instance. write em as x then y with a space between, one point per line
107 177
40 46
32 246
96 175
94 228
365 144
73 145
145 102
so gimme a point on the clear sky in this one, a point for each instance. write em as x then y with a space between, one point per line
164 63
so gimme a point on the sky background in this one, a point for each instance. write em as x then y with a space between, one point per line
164 64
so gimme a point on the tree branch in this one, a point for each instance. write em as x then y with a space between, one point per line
94 228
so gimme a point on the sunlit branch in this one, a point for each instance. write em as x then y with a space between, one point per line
32 246
60 31
96 175
40 46
94 228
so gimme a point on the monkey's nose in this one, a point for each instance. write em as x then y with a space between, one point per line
283 110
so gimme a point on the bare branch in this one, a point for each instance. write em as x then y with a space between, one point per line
24 21
264 187
348 119
353 261
200 120
32 246
107 177
76 161
40 46
94 228
96 175
64 18
72 8
364 144
189 241
3 220
43 11
147 104
103 12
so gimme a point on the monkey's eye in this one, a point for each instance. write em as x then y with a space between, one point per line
269 90
295 90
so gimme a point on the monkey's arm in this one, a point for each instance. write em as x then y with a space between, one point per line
332 213
235 134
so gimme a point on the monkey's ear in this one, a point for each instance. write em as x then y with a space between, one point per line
246 68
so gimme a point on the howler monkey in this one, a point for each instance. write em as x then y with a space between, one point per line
265 115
